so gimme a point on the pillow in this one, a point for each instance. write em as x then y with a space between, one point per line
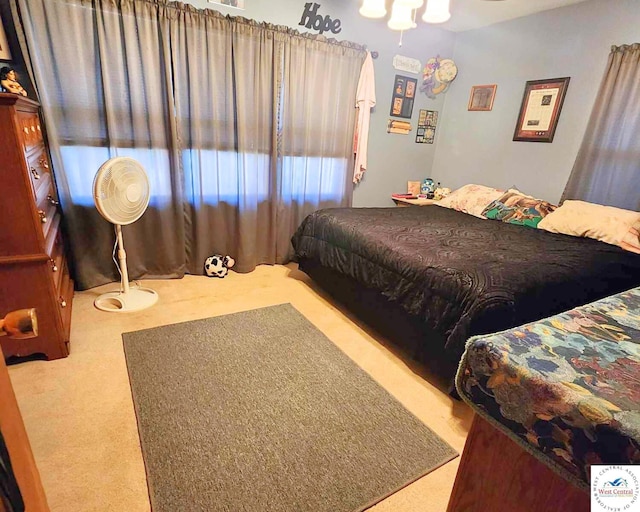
470 199
514 207
611 225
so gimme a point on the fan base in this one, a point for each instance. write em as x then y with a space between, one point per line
135 299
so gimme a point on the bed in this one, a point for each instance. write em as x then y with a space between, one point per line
566 388
554 397
449 275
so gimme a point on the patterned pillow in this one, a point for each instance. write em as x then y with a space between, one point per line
605 223
470 199
514 207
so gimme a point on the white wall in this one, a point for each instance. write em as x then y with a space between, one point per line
393 159
571 41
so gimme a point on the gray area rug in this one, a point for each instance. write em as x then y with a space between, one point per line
259 411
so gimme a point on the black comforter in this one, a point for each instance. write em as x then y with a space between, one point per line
463 275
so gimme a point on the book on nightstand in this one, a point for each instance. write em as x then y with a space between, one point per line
404 196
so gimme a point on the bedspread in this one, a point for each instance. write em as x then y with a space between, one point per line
567 388
461 275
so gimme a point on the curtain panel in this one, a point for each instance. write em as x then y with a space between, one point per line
607 168
243 128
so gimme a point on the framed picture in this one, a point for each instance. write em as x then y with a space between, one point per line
427 122
540 109
238 4
404 93
481 98
5 52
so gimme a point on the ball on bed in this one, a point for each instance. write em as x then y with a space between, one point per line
218 265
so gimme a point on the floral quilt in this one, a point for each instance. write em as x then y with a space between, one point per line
567 387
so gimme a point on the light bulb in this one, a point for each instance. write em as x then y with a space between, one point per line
373 9
401 18
437 11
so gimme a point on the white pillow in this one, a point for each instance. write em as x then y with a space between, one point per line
471 199
611 225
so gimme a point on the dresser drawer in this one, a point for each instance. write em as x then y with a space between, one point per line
65 299
38 165
58 267
45 193
47 214
30 129
53 237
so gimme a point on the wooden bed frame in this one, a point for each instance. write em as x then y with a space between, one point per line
498 475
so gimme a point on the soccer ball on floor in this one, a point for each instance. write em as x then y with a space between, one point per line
218 265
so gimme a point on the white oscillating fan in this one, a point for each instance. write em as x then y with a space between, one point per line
121 194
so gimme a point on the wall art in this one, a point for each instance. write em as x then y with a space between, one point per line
403 97
481 98
313 20
401 127
427 122
540 110
437 76
5 52
407 64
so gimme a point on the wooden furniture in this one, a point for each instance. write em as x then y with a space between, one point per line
15 437
497 474
33 263
421 201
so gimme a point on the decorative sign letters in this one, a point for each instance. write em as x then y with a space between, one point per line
312 20
402 63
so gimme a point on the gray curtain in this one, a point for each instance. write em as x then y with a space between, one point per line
214 108
607 168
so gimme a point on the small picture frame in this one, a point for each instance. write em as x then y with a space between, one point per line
5 51
481 98
427 122
540 109
396 109
403 97
238 4
411 89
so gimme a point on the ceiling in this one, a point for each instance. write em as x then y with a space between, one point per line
470 14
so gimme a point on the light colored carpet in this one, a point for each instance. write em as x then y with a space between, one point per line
259 411
79 413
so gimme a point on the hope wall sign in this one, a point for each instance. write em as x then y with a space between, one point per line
312 20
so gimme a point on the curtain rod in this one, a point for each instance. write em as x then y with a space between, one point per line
282 29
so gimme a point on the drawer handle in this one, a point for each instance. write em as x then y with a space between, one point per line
63 303
33 128
43 216
51 200
34 173
43 162
38 127
54 267
26 130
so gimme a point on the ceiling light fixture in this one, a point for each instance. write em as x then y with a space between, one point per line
437 11
373 9
414 4
403 12
401 17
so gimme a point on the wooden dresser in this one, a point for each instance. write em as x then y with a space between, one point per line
33 264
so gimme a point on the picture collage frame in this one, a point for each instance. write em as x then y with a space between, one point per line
403 98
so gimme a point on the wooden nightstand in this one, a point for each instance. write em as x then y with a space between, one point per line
402 202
